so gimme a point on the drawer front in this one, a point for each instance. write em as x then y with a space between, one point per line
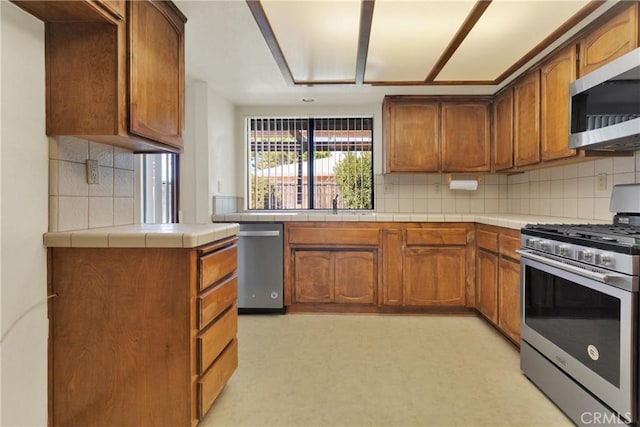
334 236
216 300
487 240
217 265
215 338
508 247
435 237
213 381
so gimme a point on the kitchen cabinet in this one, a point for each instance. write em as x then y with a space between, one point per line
503 130
610 39
526 120
412 135
140 336
331 265
435 266
392 266
436 134
556 75
114 81
466 143
74 10
498 278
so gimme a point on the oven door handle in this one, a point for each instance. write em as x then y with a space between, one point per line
604 278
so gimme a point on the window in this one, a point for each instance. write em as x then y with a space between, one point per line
159 188
307 163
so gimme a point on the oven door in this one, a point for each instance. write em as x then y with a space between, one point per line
585 327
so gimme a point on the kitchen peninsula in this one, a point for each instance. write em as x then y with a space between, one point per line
143 322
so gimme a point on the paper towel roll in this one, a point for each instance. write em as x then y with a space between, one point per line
463 184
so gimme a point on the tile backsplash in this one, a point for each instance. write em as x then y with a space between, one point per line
581 190
73 203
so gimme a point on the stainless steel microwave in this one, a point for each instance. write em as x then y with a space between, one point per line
605 107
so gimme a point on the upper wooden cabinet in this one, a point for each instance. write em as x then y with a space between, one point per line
465 137
156 73
609 40
433 134
526 120
556 75
503 131
412 140
116 81
74 10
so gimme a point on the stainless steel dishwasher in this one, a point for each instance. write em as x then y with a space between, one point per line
260 268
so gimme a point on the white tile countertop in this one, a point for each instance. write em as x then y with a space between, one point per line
500 220
142 236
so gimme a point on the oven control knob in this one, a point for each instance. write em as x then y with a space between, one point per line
564 250
585 256
544 246
531 243
605 259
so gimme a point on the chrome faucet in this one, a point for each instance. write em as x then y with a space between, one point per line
335 205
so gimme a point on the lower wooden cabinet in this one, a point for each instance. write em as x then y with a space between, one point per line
498 278
140 336
435 276
328 276
509 298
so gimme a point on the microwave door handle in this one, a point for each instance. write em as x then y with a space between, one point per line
605 278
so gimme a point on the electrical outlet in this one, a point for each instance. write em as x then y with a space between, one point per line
601 181
437 188
388 188
93 172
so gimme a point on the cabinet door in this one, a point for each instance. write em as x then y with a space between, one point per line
313 276
610 40
392 267
487 285
509 298
465 137
503 131
526 121
355 277
556 75
435 276
412 139
156 73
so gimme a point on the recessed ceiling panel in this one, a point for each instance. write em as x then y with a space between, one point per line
408 37
507 31
319 39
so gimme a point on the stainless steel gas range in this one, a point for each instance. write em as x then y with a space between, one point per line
579 313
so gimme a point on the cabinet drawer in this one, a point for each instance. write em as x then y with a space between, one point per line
215 300
337 236
211 341
508 246
217 265
441 236
487 240
213 381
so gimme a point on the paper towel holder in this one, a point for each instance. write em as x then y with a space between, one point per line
477 177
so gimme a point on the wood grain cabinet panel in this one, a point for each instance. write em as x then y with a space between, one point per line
435 276
215 338
156 73
215 300
608 41
465 137
503 131
509 298
392 267
526 121
487 285
210 385
355 277
556 75
412 139
217 265
313 276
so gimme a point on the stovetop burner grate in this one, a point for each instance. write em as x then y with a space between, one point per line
613 234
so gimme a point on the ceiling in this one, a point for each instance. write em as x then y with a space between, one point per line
318 48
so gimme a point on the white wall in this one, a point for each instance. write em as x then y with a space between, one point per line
24 178
207 166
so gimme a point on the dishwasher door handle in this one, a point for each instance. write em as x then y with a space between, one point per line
274 233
